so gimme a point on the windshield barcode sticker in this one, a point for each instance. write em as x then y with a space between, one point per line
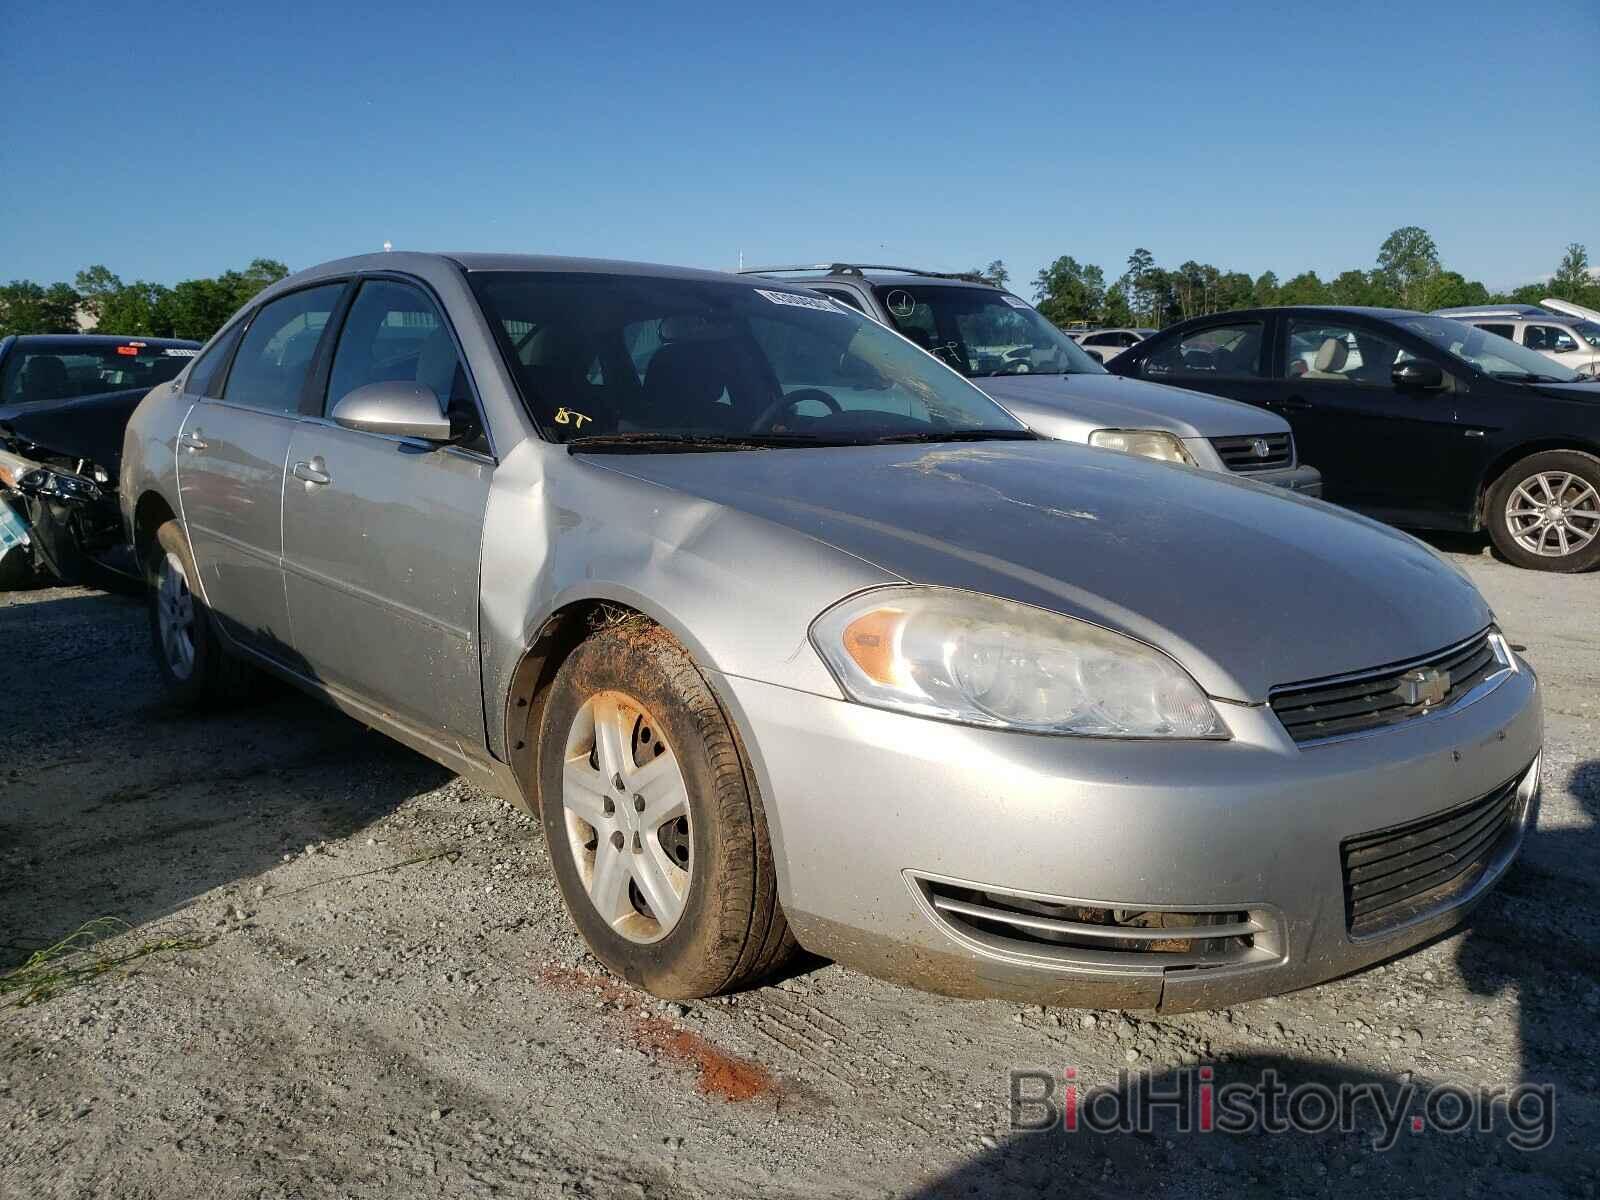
1013 301
796 301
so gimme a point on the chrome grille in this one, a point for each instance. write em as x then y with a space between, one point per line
1255 453
1386 696
1397 873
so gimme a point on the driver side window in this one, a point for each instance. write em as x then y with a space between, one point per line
1217 352
394 332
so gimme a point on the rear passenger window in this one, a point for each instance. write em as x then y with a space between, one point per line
394 332
270 369
1548 338
1220 352
206 378
1509 332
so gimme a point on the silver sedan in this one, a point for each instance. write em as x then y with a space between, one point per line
791 635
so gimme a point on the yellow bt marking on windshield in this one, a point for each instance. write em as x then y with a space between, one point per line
570 416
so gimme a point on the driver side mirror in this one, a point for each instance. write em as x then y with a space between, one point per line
397 407
1415 375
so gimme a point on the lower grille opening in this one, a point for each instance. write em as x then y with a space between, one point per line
1158 938
1392 875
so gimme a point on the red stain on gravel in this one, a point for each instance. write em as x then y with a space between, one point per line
720 1074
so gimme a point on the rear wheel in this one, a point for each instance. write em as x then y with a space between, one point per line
655 830
196 668
1544 513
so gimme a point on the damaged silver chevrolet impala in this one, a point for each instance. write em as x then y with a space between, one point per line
791 635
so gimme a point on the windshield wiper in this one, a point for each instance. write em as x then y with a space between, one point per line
1528 377
645 441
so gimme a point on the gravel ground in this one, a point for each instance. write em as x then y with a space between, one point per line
342 1025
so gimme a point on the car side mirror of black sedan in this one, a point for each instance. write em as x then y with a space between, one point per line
1416 376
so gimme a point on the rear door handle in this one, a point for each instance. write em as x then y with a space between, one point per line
312 472
192 441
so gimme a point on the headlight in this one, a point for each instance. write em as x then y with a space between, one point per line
980 660
1148 443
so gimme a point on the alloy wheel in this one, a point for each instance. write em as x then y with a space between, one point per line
1553 513
627 817
175 616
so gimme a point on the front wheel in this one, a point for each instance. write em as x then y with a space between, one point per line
654 826
1544 513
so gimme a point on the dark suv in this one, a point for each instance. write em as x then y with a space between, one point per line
1418 420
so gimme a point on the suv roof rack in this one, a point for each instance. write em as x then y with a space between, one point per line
1493 310
860 269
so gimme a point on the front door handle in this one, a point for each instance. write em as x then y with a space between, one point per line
1295 402
192 441
314 471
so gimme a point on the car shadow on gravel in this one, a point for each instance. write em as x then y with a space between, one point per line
1204 1131
117 804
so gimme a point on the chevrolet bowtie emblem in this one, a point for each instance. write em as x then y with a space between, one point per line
1425 686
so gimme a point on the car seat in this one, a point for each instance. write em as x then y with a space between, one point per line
1330 360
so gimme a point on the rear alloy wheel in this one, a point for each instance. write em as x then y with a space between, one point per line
1544 513
654 825
195 665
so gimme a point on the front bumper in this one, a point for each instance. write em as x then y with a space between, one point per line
1303 479
866 805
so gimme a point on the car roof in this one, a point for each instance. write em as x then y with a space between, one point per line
85 341
400 260
1305 310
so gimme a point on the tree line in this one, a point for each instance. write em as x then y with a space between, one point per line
194 308
1407 274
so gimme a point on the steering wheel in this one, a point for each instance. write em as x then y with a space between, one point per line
764 422
1015 366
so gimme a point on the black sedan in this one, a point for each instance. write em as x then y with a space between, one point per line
1417 420
65 400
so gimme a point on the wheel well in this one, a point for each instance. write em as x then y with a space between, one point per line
562 632
149 515
1480 510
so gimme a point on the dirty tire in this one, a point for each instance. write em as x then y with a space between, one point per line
1558 463
731 932
217 676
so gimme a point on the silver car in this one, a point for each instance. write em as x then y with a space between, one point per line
1042 376
791 635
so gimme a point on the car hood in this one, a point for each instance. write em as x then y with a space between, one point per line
1586 390
1112 402
88 427
1246 586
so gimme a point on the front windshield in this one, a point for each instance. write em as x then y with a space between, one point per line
982 332
1588 331
641 358
1489 352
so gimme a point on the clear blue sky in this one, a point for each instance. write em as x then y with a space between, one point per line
170 142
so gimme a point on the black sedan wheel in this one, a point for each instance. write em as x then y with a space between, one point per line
1544 513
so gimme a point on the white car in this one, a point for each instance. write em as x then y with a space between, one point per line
1568 333
1106 344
